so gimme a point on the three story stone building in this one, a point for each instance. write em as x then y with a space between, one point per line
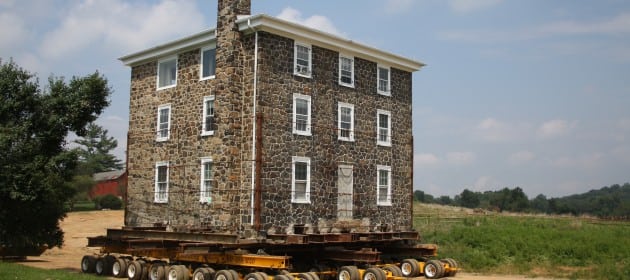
263 125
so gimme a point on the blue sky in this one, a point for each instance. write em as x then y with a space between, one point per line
531 93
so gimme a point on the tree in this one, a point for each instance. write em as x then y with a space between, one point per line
94 153
34 162
469 199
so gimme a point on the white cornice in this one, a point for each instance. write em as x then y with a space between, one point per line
262 22
299 32
173 47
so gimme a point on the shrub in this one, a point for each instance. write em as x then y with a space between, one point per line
108 201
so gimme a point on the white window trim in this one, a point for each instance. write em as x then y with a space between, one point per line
310 60
157 126
156 189
308 120
308 180
351 70
206 199
339 137
158 72
389 80
378 128
201 77
205 132
389 185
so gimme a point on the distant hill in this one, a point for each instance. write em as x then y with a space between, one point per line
607 202
611 202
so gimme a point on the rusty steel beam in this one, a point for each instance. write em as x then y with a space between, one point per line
120 234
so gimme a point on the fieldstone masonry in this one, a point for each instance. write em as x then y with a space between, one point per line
230 210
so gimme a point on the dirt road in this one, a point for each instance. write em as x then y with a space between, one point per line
79 225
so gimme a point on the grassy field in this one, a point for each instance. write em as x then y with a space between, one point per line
14 271
565 247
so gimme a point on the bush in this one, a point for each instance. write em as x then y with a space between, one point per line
108 201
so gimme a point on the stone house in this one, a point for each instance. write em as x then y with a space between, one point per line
266 126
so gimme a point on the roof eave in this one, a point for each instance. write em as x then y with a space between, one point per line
189 42
262 22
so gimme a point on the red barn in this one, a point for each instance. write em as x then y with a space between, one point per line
111 182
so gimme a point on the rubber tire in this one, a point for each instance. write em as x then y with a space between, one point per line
433 269
282 277
348 273
304 276
374 273
88 263
251 276
134 270
157 271
122 268
178 272
313 275
410 268
203 273
224 275
104 265
395 270
451 263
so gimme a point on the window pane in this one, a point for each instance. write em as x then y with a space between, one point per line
383 79
301 114
209 116
300 171
209 62
168 72
346 70
300 190
383 120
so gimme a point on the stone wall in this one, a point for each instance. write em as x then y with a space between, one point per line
276 86
231 145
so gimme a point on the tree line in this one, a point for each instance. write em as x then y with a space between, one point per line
611 202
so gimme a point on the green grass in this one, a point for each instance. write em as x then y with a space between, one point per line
15 271
530 245
83 206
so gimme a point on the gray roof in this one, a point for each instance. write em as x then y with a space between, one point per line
109 175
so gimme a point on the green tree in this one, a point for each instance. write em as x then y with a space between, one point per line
469 199
34 162
94 151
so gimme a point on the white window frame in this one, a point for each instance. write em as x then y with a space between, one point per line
201 68
387 91
158 198
159 137
204 116
159 63
351 135
351 58
205 193
388 201
380 142
308 72
307 194
297 96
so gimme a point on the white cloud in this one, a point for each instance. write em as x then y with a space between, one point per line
467 6
13 31
398 6
617 26
484 183
426 159
521 157
493 130
586 162
460 158
318 22
554 129
121 25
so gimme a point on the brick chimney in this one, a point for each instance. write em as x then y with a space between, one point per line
228 36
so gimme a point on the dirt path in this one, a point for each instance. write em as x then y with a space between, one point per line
80 225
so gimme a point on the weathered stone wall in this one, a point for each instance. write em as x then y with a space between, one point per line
276 86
